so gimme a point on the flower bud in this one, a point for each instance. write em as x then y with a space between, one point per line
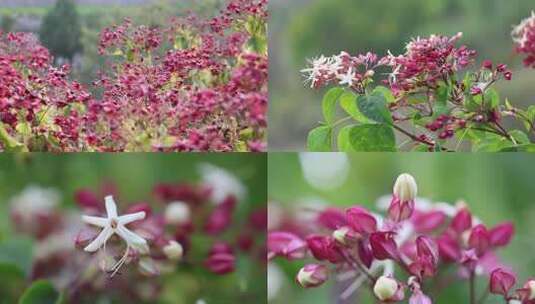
173 250
340 235
177 213
501 234
361 220
462 221
220 263
405 188
479 239
388 289
383 246
501 281
332 218
285 244
312 275
324 248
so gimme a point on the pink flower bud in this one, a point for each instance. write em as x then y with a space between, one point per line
487 64
469 259
361 220
418 297
365 253
501 281
220 218
427 248
345 236
324 248
448 248
501 234
84 237
387 289
312 275
331 218
479 239
138 207
400 210
462 221
87 199
220 247
286 244
220 263
424 222
383 246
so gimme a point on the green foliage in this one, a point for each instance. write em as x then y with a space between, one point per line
17 252
61 30
374 107
41 292
320 139
367 138
329 104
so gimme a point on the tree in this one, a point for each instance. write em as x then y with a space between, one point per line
61 30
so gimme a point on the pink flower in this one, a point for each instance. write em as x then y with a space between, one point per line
524 39
331 218
501 282
286 244
425 222
462 221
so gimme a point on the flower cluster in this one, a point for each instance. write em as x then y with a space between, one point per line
86 254
39 106
431 86
414 240
345 70
194 85
524 38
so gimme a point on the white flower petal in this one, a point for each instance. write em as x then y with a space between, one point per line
104 235
130 237
111 207
95 220
132 217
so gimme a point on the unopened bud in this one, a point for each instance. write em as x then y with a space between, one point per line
369 73
405 188
340 235
530 285
312 275
173 250
385 288
177 213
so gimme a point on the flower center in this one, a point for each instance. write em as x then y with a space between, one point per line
114 223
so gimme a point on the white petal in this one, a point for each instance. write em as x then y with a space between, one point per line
132 217
99 240
95 220
111 207
130 237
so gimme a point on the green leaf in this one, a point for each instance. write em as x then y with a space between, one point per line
520 137
443 92
329 104
320 139
389 97
18 252
348 102
13 281
492 98
520 148
374 107
24 128
40 292
344 142
371 138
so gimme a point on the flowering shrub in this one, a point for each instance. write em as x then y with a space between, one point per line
400 254
429 96
193 85
122 249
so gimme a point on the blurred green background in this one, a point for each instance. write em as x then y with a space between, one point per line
93 16
301 29
496 187
135 174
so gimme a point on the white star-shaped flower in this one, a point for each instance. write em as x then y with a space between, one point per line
114 224
347 78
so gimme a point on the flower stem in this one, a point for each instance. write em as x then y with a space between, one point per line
472 288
